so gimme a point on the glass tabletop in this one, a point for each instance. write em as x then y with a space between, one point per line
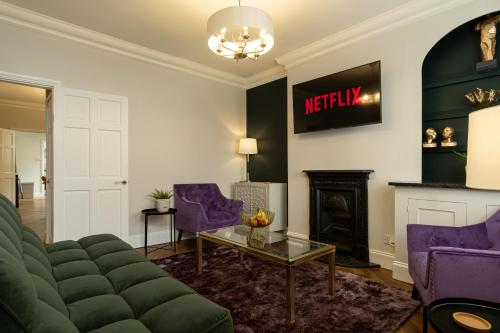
274 244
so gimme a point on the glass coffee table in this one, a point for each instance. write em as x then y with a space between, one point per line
280 248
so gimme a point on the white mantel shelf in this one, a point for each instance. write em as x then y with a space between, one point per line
437 185
436 204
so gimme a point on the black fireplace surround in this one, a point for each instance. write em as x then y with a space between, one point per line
338 213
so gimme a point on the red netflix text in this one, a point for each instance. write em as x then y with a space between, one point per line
335 99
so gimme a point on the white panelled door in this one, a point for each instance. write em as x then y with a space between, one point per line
90 158
49 172
8 164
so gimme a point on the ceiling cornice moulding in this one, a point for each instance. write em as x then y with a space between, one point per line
14 104
402 15
36 21
271 74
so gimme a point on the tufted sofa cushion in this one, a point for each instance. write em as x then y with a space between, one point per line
98 284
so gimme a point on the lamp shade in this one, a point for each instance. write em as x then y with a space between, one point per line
483 150
248 146
225 29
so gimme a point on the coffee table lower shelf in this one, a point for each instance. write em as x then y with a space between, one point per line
290 266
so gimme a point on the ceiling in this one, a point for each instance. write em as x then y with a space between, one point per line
24 94
178 27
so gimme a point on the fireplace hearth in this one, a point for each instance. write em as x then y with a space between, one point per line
338 213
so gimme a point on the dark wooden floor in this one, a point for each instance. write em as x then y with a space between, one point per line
412 325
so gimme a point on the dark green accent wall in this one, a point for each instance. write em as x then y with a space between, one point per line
267 122
448 73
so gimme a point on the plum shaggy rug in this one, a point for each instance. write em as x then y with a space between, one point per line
254 292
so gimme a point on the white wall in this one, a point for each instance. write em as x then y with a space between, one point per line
29 158
183 128
392 148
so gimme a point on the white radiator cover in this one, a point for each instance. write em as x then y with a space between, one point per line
269 196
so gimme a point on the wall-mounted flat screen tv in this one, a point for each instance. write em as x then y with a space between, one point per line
344 99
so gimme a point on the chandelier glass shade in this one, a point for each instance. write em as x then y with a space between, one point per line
240 32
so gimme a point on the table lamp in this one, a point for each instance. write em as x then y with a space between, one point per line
483 149
248 146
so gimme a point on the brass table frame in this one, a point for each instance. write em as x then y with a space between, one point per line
290 266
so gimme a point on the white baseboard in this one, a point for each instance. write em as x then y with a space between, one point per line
400 272
155 238
297 235
384 259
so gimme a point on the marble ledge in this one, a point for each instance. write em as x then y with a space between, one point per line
437 185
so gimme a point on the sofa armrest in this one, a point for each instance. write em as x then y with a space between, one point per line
458 272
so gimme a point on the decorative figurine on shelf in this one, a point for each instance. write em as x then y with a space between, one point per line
448 137
488 30
431 135
483 97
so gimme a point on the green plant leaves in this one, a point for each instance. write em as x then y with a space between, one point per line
161 194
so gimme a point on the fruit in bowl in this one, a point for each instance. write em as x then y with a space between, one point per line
259 220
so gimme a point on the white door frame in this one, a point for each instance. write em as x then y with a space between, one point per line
90 164
40 83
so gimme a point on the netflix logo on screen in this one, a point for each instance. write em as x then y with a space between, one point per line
333 99
344 99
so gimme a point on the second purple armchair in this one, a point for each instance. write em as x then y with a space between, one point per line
455 262
203 207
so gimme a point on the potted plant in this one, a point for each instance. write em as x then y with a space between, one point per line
162 198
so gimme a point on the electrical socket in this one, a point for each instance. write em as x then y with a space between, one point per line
389 239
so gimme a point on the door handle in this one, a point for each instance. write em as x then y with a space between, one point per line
123 182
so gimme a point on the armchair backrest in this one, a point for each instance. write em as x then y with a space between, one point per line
421 237
493 230
206 194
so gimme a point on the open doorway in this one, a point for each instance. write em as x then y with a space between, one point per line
23 141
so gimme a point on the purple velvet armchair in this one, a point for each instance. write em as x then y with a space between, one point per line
452 262
203 207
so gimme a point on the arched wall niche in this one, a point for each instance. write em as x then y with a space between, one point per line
448 73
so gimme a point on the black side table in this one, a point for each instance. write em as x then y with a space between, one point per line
152 212
441 311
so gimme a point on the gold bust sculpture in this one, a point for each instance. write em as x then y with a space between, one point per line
431 135
488 30
448 137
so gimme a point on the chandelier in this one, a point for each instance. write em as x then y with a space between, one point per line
240 32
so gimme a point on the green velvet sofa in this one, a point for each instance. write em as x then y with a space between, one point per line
98 284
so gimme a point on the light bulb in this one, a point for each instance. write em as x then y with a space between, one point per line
245 33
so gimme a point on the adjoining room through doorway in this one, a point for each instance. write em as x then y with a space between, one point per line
23 173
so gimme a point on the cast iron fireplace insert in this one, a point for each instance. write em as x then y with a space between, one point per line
338 213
